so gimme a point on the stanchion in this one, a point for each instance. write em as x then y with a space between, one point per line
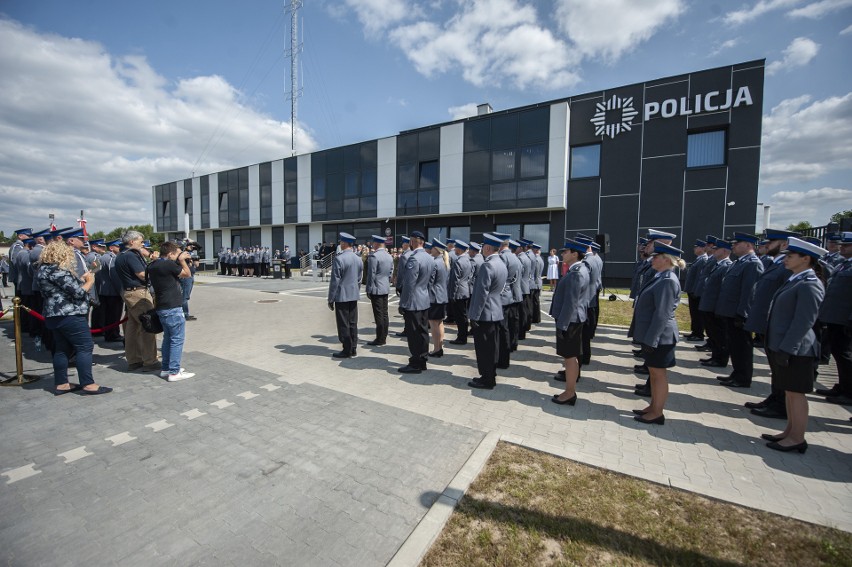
20 378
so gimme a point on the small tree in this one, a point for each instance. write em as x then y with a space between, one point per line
834 218
800 226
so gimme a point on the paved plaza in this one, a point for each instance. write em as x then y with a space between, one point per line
275 453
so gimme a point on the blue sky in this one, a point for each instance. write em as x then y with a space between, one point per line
103 99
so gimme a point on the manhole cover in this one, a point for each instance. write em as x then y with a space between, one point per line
267 301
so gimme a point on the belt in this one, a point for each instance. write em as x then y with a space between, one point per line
134 288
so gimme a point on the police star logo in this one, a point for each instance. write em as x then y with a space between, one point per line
614 116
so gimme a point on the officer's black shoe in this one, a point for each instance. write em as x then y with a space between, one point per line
694 338
408 369
437 354
713 364
641 369
401 334
560 376
770 412
502 366
702 348
478 383
458 342
341 354
644 392
839 399
833 391
376 343
734 384
756 405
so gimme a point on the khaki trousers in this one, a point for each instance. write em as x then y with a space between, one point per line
139 346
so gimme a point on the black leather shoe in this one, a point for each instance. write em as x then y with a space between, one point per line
713 364
734 384
477 383
341 354
840 400
644 392
437 354
705 360
770 412
560 376
640 386
408 369
702 348
801 447
638 352
376 343
756 405
570 401
770 437
833 391
458 342
639 411
641 369
502 366
401 334
658 421
694 338
723 378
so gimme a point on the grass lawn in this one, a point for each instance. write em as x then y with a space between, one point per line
528 508
621 312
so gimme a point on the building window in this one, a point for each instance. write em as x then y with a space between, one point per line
291 191
205 202
505 160
265 179
187 205
706 149
586 161
217 241
166 215
418 172
344 183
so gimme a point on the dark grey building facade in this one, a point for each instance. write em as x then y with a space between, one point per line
680 153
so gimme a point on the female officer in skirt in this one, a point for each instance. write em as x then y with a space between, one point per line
655 328
569 307
791 344
438 296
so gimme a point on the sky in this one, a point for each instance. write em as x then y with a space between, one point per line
101 99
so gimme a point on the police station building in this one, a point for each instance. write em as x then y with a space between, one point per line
679 153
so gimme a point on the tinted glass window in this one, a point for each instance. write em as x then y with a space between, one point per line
706 149
533 161
585 161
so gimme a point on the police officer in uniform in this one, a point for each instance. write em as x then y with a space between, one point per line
20 235
414 301
38 329
570 308
595 266
476 260
538 272
772 278
486 311
836 314
510 298
733 307
399 268
689 286
343 294
709 250
715 326
286 257
379 268
458 290
24 282
109 291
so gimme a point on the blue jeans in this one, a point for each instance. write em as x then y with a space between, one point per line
173 335
186 285
71 333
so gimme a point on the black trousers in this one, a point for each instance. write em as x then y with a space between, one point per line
111 306
840 345
535 294
717 337
510 320
524 316
514 324
458 311
380 316
346 316
589 328
696 320
27 320
486 344
417 335
286 270
741 350
223 268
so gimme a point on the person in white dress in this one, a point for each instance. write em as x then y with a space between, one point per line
553 268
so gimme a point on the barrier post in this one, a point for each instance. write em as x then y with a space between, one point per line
20 378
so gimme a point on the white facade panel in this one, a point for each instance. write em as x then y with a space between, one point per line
314 234
214 202
196 204
451 169
386 179
181 208
278 192
266 236
254 195
290 238
557 159
304 187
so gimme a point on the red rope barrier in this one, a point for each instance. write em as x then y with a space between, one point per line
40 317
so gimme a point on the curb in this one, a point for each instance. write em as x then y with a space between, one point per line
430 526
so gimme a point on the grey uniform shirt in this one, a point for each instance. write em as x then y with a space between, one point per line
526 272
415 281
458 286
485 300
713 285
792 315
438 282
346 272
569 304
512 292
692 274
772 278
837 307
739 280
379 268
653 319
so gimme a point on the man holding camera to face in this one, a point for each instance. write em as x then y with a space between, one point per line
165 276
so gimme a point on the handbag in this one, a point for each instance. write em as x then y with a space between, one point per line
151 322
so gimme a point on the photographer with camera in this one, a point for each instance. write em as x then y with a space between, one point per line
166 275
186 284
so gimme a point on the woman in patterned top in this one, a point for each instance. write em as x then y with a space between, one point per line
66 308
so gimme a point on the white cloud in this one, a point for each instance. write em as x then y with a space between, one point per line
463 111
814 205
729 44
819 9
803 141
490 41
747 14
846 31
798 54
379 15
83 129
610 28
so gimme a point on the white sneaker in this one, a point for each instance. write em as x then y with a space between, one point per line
182 375
165 373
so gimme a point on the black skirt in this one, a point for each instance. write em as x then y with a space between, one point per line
569 343
798 376
662 357
437 311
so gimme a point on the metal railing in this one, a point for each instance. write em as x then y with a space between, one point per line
323 265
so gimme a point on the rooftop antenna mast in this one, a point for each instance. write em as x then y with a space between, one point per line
293 53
